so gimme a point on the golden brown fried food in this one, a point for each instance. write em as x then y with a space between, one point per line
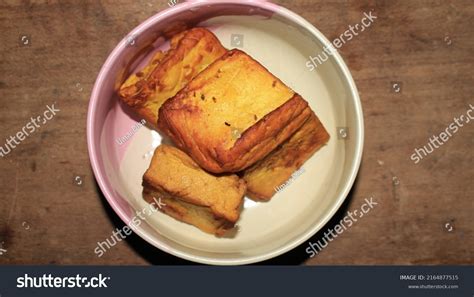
168 72
265 176
232 114
211 203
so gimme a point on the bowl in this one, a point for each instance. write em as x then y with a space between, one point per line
120 147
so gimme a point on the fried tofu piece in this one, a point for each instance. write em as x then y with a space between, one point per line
190 194
168 72
265 176
232 114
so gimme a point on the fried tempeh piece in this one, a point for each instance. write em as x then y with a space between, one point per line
265 176
168 72
232 114
191 195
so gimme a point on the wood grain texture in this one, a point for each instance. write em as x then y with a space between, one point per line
45 217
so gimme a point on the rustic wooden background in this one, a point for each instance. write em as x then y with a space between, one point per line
426 46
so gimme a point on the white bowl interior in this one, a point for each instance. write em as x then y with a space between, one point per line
264 229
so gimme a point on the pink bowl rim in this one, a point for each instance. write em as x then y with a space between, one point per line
96 159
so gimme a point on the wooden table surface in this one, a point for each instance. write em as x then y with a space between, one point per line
51 51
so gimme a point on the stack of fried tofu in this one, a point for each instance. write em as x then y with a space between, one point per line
238 130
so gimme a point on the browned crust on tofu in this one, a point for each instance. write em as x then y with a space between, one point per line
265 176
198 216
211 203
168 72
185 121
